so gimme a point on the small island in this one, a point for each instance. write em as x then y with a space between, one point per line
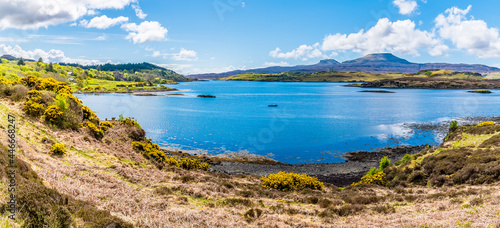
376 91
480 91
206 96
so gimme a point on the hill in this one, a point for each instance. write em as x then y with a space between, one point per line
431 76
116 78
371 63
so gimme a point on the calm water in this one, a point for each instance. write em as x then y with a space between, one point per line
314 122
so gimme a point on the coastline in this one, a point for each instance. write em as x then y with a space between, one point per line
339 174
128 91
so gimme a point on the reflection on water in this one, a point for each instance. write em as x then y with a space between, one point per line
314 122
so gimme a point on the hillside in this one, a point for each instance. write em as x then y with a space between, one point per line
371 63
108 174
116 78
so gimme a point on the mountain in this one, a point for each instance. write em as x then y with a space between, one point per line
323 65
10 58
374 63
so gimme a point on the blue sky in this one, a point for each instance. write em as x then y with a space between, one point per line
220 35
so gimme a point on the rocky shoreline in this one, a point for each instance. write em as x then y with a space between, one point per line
338 174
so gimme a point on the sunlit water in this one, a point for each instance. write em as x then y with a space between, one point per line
314 122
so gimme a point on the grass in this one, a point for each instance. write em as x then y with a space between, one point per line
469 140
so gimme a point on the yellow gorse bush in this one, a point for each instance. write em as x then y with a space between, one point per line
487 123
95 131
33 107
154 151
287 181
377 178
58 149
53 113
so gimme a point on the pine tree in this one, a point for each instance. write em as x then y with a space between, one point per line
40 60
20 62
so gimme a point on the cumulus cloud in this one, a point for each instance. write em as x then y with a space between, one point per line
147 31
41 13
56 56
282 63
406 7
385 36
303 52
469 34
138 12
187 55
103 22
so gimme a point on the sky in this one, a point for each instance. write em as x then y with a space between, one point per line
206 36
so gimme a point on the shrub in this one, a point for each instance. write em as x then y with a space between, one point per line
33 108
106 124
487 123
95 131
453 125
53 114
19 92
129 121
61 102
377 178
88 114
151 150
406 158
384 163
29 80
188 163
58 149
287 181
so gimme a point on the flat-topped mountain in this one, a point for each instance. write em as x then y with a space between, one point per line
377 58
374 63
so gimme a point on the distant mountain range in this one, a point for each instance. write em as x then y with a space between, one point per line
11 58
375 63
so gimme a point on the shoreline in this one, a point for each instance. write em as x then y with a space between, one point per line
127 92
339 174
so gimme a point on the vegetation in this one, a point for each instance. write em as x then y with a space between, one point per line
289 181
375 175
338 76
453 125
332 76
58 149
487 123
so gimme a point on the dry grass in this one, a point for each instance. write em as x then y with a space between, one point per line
112 176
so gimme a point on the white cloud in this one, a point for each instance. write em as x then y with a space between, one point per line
102 37
33 14
406 7
145 32
468 34
53 55
103 22
282 63
385 36
439 50
187 55
303 52
138 12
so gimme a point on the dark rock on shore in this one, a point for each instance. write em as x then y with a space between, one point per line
339 174
206 96
376 91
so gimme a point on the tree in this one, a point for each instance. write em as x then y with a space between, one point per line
40 60
20 62
50 67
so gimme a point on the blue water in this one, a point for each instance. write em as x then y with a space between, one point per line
314 122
